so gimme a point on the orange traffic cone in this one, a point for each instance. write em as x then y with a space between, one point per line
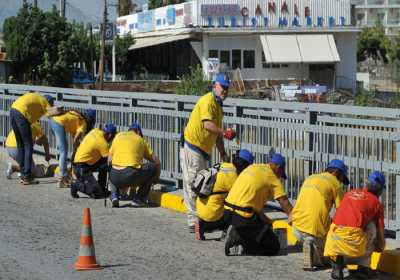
87 258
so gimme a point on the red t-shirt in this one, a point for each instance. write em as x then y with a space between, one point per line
358 208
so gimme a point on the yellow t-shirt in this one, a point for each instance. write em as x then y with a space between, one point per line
253 188
32 106
72 122
211 209
206 108
314 202
37 133
92 148
129 149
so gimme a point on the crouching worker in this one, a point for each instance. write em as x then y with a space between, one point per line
357 229
11 145
126 154
251 231
310 215
92 156
210 209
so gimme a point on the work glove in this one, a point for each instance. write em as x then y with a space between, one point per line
229 134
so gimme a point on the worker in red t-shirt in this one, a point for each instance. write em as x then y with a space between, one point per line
357 229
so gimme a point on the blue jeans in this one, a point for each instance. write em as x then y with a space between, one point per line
23 135
62 146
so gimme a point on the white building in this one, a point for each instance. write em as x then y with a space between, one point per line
368 12
274 40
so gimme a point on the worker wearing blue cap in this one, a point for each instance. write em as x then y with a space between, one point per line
310 215
77 124
251 230
25 111
203 130
357 229
210 210
127 152
92 156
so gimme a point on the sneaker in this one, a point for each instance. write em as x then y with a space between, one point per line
137 202
114 200
9 171
192 229
64 182
74 190
337 268
29 181
198 231
308 255
232 245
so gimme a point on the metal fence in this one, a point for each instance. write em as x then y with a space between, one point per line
308 135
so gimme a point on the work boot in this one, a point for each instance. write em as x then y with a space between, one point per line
232 243
114 200
29 181
137 202
363 272
64 182
337 268
198 231
74 190
308 253
9 171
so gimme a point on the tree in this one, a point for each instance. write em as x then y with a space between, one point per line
122 45
373 43
125 7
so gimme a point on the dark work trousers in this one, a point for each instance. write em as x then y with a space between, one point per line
256 237
211 226
23 134
131 177
86 183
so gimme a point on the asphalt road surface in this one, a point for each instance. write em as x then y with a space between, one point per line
40 229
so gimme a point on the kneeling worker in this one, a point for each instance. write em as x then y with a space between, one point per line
126 154
310 215
38 138
357 229
210 210
92 156
251 232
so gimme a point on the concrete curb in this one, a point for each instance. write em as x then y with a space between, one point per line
388 261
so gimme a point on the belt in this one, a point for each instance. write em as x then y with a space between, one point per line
239 208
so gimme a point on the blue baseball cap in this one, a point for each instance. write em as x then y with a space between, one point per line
90 114
246 155
49 99
136 126
222 79
339 165
278 159
110 128
377 177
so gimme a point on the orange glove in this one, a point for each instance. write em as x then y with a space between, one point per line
229 134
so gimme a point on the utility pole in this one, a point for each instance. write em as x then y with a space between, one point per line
62 8
102 47
91 52
35 3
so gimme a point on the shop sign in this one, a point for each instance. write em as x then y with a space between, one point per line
171 16
220 10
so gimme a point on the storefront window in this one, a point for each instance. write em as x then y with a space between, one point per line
249 59
225 57
236 59
213 53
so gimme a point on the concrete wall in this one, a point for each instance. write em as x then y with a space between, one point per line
346 69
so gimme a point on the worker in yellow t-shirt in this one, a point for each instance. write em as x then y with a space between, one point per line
202 132
127 152
310 215
25 111
76 124
91 156
11 145
210 210
251 231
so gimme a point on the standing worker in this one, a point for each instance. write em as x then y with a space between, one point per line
210 210
251 230
38 138
358 229
91 156
25 111
310 215
127 151
203 131
77 125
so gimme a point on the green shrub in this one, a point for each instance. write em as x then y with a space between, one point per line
194 83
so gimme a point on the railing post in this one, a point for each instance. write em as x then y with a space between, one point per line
309 165
179 129
397 226
132 115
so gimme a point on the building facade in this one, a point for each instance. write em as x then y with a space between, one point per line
266 40
369 12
